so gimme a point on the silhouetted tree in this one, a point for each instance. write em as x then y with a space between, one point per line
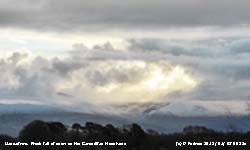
36 131
197 130
57 127
76 126
7 138
135 137
112 133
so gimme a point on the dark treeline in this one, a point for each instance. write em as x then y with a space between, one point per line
135 137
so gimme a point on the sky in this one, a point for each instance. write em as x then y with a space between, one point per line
127 57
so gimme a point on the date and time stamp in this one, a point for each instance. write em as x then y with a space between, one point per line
211 143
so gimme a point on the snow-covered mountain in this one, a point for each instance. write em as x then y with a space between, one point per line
14 116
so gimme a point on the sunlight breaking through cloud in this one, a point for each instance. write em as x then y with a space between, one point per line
120 82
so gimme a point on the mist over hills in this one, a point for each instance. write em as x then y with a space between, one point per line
26 109
14 116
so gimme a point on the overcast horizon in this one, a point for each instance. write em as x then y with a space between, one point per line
122 57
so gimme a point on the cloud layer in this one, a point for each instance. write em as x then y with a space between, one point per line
157 53
82 78
148 71
76 15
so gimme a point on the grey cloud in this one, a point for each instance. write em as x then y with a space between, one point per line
16 57
154 107
172 47
67 15
207 48
222 64
211 58
65 95
32 81
240 46
142 109
106 46
46 79
223 72
65 67
118 74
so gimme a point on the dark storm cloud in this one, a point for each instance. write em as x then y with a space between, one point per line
82 14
